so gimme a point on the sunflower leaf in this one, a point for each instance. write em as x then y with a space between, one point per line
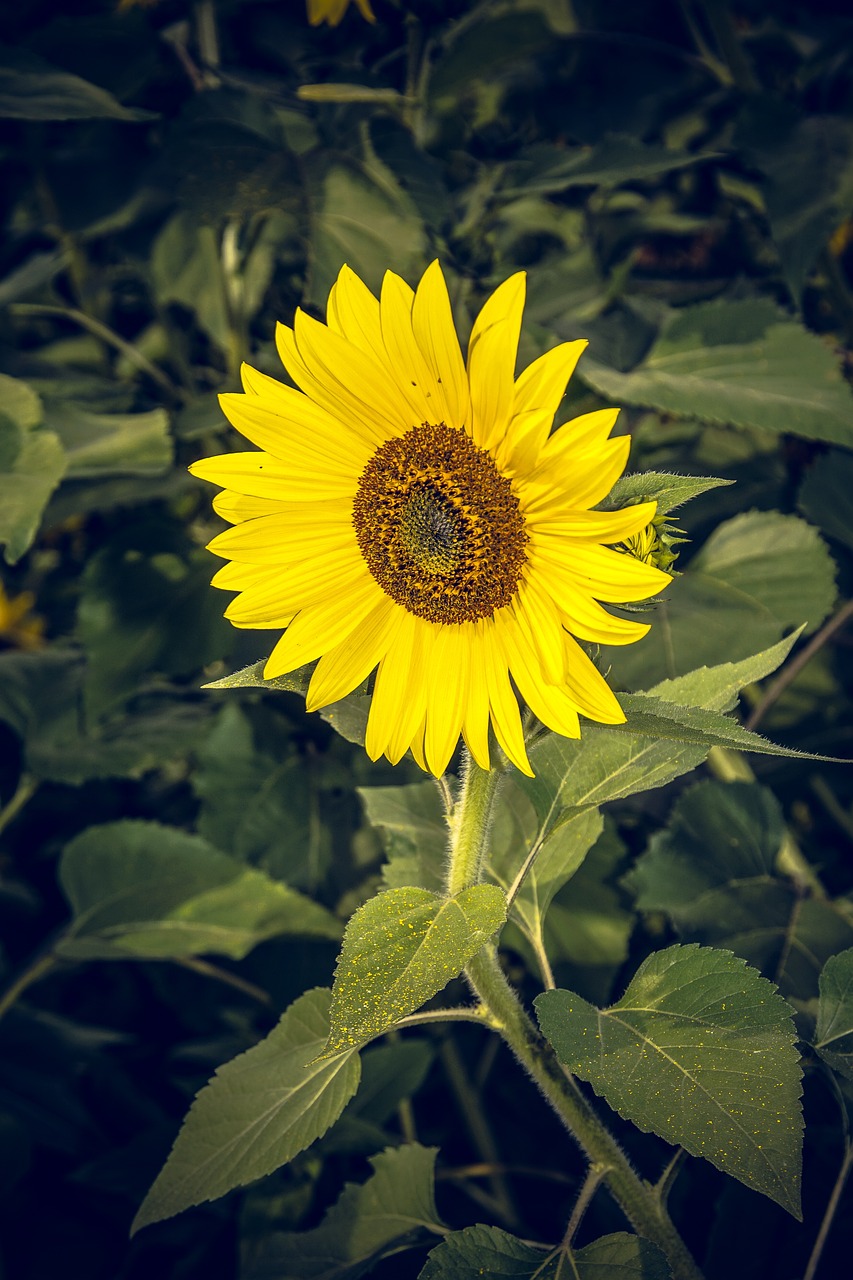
477 1251
739 363
614 761
32 463
653 717
713 871
400 949
393 1210
252 677
669 491
144 889
414 833
834 1030
700 1050
515 831
257 1113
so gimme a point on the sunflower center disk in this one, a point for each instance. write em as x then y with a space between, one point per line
439 527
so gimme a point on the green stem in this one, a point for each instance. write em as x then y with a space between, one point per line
470 824
832 1206
26 789
16 989
636 1198
503 1011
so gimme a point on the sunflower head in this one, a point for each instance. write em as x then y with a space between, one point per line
408 511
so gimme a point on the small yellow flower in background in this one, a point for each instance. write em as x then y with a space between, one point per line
332 11
412 512
20 628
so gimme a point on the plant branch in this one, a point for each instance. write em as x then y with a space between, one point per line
106 335
25 790
39 967
829 1214
478 1128
503 1010
208 970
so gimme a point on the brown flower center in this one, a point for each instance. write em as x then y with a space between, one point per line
439 527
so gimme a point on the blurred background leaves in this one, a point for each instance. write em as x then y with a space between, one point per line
677 179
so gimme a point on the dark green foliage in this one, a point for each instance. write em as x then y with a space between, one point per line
182 847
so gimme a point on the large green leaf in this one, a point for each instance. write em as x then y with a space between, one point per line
712 871
257 1113
718 833
717 688
41 698
738 363
186 267
487 1251
833 1037
414 833
826 495
618 158
400 949
699 1050
101 444
32 463
266 807
758 575
145 889
146 609
609 763
363 218
560 851
392 1211
31 89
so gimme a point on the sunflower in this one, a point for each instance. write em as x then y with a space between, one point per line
414 513
332 11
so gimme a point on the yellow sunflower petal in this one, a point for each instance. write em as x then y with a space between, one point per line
235 576
475 726
260 475
541 620
446 697
549 702
356 379
398 703
492 353
413 710
288 425
321 627
608 575
503 703
328 394
353 312
296 587
588 689
435 333
591 526
417 383
543 383
282 538
343 668
581 480
237 507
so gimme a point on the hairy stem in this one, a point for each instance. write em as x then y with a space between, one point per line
503 1010
470 825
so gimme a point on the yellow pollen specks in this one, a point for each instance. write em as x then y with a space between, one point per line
439 527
